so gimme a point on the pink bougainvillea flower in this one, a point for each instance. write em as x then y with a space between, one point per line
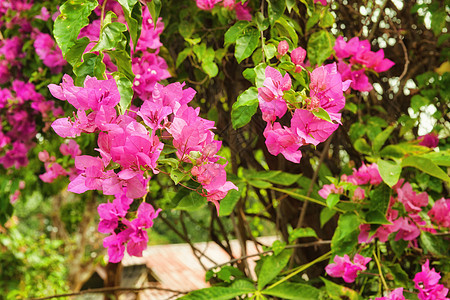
406 230
326 85
323 2
412 201
49 52
242 11
440 212
343 267
284 141
328 189
72 149
365 174
427 282
274 83
206 4
298 57
429 140
149 37
311 129
396 294
283 48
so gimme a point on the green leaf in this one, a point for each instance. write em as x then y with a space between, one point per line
381 138
418 101
322 114
294 291
246 44
74 54
434 245
228 203
278 246
290 4
182 56
289 27
362 146
122 60
125 87
260 74
325 215
275 9
438 20
260 184
133 16
191 201
390 171
261 21
301 233
210 68
235 31
332 200
74 16
425 165
327 19
320 47
272 266
376 217
338 292
92 65
284 178
250 75
379 200
244 108
270 50
398 246
441 158
356 131
345 237
154 8
177 176
217 293
312 20
110 36
352 107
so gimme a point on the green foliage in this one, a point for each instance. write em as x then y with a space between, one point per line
74 16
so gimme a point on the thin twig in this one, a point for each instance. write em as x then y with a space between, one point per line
405 51
112 289
304 245
313 180
186 239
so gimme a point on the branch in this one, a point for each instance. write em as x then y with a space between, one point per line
112 289
305 245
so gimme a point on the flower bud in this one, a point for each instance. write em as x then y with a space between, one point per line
283 48
298 55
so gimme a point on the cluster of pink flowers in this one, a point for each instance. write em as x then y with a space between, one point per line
427 282
343 267
408 226
148 67
355 58
396 294
21 105
49 52
125 142
242 11
326 92
53 169
132 234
